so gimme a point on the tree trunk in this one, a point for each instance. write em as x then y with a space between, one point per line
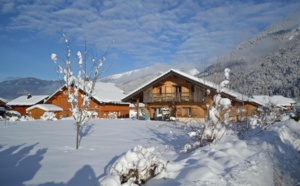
77 135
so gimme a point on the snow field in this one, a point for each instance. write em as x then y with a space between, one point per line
43 153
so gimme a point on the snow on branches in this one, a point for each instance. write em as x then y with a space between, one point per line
80 86
218 114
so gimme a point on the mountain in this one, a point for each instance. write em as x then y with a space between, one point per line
12 89
267 64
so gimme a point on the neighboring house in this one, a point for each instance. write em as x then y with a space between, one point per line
3 102
21 103
278 100
186 96
36 111
105 101
2 107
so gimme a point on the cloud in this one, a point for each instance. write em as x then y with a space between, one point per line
150 31
7 7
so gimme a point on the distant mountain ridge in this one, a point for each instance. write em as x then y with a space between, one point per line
12 89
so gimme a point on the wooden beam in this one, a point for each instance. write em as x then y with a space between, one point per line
138 108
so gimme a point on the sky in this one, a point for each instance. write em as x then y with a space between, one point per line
139 33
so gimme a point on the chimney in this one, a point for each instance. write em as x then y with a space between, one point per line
29 96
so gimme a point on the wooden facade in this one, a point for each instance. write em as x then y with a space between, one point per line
183 95
20 108
103 109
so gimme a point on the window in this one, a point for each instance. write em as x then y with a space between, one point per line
192 88
187 111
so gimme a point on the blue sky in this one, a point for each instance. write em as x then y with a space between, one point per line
145 32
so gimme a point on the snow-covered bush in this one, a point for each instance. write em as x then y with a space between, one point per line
202 133
112 115
26 118
213 128
14 118
135 167
49 116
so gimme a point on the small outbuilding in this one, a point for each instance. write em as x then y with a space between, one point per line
38 110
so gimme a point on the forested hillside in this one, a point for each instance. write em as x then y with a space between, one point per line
267 64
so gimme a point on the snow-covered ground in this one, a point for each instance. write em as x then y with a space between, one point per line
43 153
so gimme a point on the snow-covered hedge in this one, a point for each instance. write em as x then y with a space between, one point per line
135 167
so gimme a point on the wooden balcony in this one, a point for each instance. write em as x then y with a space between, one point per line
171 97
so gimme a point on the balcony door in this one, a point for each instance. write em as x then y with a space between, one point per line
178 92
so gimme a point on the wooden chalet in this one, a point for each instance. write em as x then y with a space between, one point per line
186 96
21 103
106 101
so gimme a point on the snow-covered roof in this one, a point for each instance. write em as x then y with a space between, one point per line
104 92
275 99
204 82
27 100
108 92
46 107
3 100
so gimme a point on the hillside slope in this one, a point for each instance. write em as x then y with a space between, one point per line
267 64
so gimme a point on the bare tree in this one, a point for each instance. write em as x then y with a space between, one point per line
80 86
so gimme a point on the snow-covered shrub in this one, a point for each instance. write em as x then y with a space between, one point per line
202 133
49 116
26 118
195 131
135 167
112 115
213 128
14 118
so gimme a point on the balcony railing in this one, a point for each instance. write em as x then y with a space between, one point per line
168 97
